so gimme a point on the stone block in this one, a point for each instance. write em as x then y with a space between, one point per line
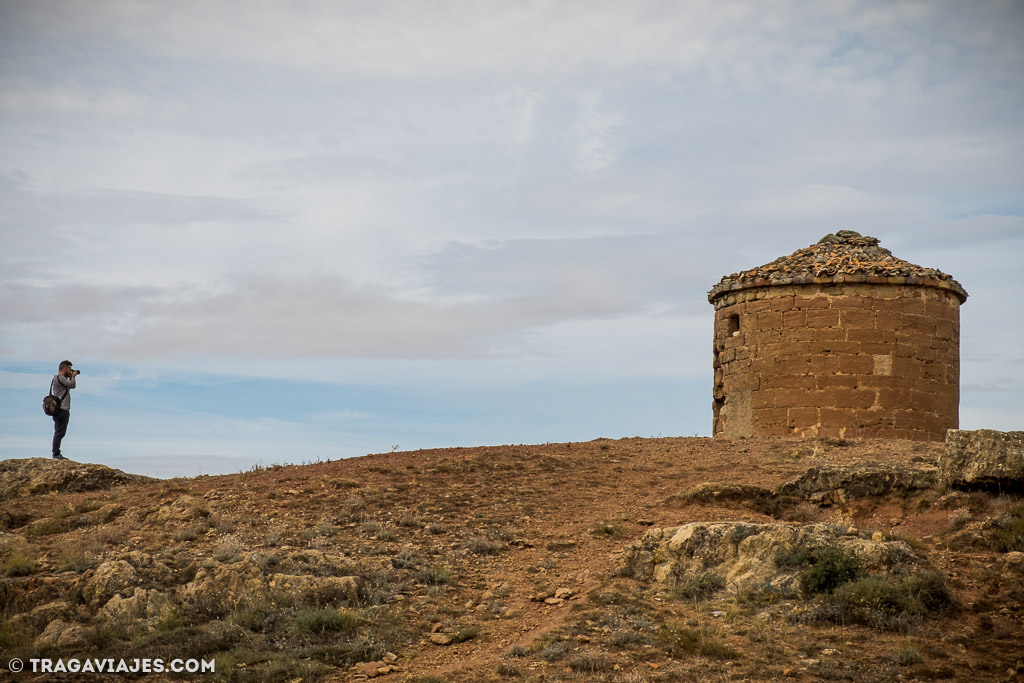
795 365
833 381
984 458
822 318
799 398
791 382
851 398
871 336
783 303
771 417
918 324
854 318
769 320
757 306
794 318
856 364
837 417
835 346
802 417
814 303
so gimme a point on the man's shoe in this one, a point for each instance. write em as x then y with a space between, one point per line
58 456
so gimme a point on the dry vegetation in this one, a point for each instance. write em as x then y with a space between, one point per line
504 564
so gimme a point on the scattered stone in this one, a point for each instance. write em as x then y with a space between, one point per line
718 614
984 458
440 639
583 639
564 593
436 627
554 601
373 669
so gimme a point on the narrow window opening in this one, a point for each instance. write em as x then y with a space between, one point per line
732 325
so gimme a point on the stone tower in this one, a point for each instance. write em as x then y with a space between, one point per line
839 339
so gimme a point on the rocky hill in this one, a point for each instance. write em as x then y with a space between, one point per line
628 560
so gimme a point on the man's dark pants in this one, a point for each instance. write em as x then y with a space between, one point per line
60 428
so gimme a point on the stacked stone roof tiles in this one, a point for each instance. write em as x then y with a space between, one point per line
843 257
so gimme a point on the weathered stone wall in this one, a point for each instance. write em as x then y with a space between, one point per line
837 359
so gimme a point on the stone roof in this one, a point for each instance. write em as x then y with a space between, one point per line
843 257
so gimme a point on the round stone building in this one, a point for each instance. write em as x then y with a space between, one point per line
840 339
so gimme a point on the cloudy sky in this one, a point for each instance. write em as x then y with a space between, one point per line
282 232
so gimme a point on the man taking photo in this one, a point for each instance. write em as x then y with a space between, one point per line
61 385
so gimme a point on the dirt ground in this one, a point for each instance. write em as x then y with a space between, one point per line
506 529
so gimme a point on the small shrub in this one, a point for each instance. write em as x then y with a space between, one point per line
19 564
699 586
227 550
831 567
515 652
410 521
880 603
320 621
436 575
482 546
679 640
908 657
1008 532
930 590
959 519
75 559
509 670
624 639
741 532
554 652
407 558
792 557
436 529
49 527
590 662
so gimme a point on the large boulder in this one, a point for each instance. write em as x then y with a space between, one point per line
746 556
107 580
983 458
141 604
837 483
319 590
32 476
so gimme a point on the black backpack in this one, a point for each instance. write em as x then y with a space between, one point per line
51 404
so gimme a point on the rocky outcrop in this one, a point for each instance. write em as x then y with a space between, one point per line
140 604
231 583
32 476
62 634
826 485
107 580
747 556
983 458
836 484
